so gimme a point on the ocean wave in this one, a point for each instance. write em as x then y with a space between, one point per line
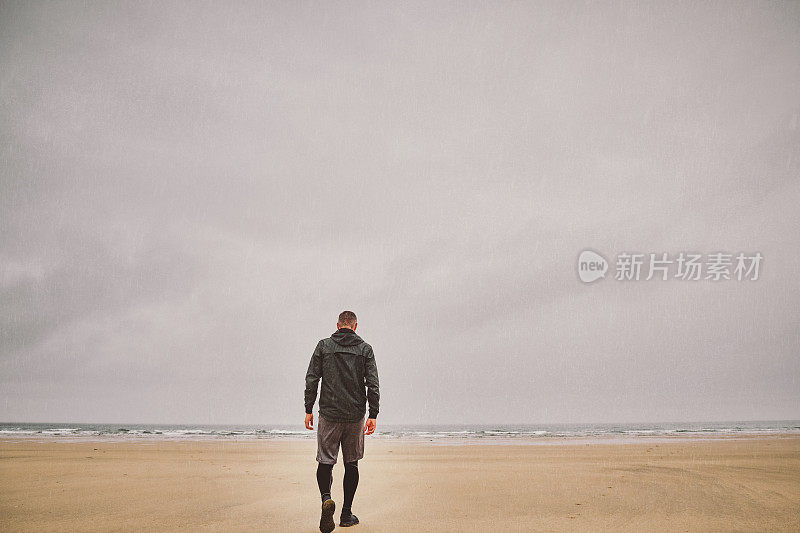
412 432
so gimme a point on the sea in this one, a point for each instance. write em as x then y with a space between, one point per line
467 433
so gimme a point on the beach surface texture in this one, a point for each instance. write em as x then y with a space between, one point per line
678 484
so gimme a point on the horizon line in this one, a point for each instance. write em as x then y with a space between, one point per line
717 421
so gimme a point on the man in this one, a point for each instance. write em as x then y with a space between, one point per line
346 365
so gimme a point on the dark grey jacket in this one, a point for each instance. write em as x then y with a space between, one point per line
347 367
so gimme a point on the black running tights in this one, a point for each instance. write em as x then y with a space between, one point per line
350 483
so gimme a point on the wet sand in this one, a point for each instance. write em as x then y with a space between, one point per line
732 484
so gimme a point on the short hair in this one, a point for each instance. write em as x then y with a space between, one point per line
347 318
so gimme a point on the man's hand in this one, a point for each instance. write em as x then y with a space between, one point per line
369 427
309 421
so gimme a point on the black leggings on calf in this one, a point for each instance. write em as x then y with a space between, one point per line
350 484
324 480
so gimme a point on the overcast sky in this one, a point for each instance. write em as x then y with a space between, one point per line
190 193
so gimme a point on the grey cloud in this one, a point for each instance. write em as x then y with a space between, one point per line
183 186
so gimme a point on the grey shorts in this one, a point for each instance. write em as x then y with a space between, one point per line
330 434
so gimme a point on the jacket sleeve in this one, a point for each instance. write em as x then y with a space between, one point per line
313 376
371 379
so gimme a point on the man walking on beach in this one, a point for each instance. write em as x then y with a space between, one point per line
347 367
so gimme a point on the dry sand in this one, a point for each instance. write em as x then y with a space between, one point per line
681 485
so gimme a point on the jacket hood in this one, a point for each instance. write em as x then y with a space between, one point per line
346 337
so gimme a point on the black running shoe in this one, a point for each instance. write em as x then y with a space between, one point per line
349 520
326 523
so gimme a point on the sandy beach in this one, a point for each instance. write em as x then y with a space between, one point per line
729 484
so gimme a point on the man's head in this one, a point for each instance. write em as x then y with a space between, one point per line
347 319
